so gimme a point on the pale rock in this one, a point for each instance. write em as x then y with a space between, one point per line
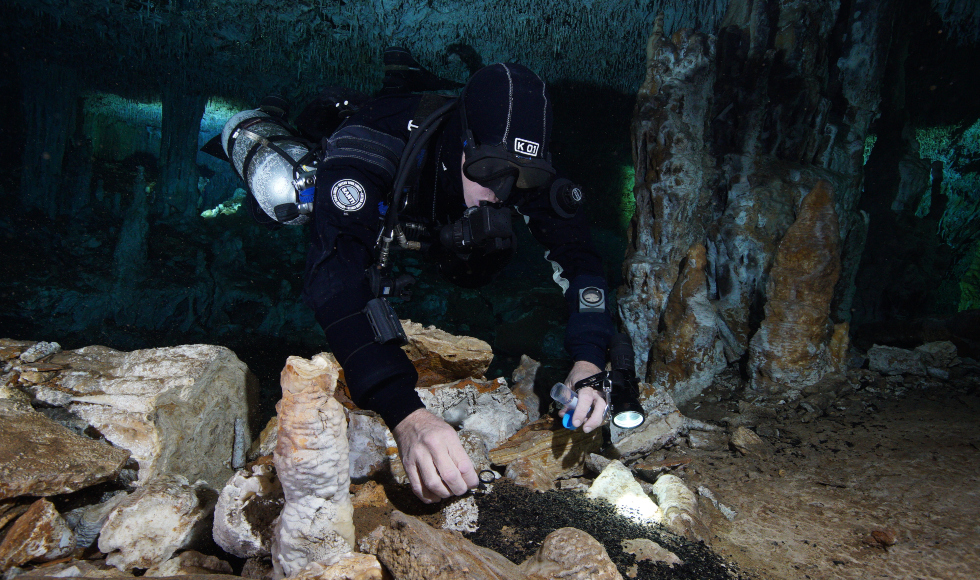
233 530
441 357
189 563
461 514
937 355
87 521
476 448
81 569
647 550
354 566
174 409
40 351
370 542
413 550
311 459
707 440
746 442
370 443
617 486
40 457
165 515
555 449
523 378
530 474
726 511
265 444
488 408
680 508
570 554
39 535
664 424
893 361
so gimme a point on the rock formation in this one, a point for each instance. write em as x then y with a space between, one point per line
797 343
311 459
725 151
165 515
174 409
32 458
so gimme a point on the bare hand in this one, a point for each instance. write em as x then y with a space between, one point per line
436 464
591 404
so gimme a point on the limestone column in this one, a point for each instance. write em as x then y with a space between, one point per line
50 93
183 108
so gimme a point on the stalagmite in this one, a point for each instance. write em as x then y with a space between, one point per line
680 508
311 459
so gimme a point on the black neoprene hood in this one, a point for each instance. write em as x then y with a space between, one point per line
508 103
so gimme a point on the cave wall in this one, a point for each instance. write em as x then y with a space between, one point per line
748 114
734 135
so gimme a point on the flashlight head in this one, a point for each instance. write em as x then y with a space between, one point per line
625 409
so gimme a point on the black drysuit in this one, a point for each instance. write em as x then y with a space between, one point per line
354 178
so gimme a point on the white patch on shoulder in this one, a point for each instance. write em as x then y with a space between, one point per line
348 195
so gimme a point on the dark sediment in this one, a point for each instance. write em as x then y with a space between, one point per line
514 521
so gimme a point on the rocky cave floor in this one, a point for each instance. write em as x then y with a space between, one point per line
881 484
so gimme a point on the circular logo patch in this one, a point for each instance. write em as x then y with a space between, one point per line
348 195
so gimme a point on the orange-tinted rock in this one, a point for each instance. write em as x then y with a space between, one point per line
40 457
554 448
440 357
796 344
688 352
413 550
531 474
39 535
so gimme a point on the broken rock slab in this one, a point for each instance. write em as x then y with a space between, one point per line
413 550
182 409
165 515
39 535
40 457
664 424
927 360
746 442
550 446
440 357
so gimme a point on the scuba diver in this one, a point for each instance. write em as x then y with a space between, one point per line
443 175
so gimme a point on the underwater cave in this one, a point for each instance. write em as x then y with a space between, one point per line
785 196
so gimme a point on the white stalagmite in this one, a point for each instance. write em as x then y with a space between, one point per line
311 458
680 508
